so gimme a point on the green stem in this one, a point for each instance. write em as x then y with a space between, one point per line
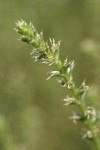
96 143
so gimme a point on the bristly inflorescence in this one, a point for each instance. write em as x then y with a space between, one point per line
48 53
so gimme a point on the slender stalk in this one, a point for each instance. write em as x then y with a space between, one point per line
48 53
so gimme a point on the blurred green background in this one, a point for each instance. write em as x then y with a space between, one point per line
32 114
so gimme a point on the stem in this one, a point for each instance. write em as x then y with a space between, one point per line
97 144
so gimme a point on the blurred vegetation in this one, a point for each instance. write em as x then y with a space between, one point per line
32 115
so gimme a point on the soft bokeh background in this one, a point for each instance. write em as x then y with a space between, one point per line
32 114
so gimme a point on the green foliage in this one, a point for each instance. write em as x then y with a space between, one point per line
48 53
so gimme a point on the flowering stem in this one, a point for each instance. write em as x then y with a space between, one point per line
48 53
